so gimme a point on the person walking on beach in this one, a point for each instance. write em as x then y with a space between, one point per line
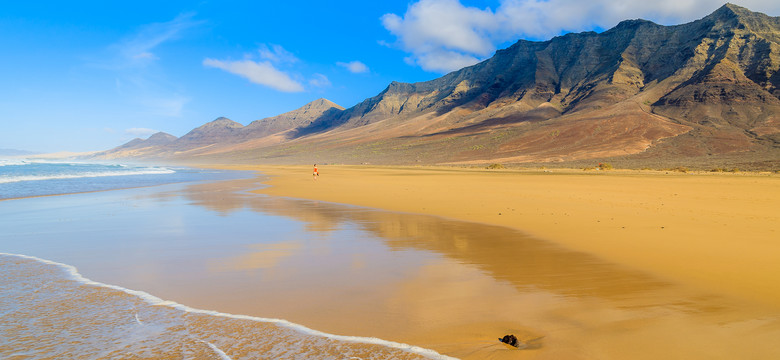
316 173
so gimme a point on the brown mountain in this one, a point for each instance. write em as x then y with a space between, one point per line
300 118
637 92
223 135
139 147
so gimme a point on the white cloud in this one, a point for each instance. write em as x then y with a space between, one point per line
432 28
354 66
443 61
445 35
140 132
319 80
276 54
263 73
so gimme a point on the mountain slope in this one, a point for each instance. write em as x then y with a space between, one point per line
139 147
300 118
639 90
707 87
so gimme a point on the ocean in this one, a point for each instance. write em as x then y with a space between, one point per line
155 268
25 178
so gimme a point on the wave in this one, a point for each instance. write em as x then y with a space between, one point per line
13 162
26 161
155 301
146 171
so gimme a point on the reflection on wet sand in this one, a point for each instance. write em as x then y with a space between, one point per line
481 282
260 256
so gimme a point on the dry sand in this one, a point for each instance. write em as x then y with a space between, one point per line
718 232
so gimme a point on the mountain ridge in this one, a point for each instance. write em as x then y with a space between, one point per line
641 90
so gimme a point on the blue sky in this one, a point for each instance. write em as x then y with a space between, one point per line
91 75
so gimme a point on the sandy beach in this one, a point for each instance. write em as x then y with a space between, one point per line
576 264
717 232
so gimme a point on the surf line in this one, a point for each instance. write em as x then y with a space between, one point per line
217 350
153 300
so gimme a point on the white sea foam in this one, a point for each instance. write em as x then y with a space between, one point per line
153 300
146 171
218 351
13 162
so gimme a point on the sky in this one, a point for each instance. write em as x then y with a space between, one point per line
91 75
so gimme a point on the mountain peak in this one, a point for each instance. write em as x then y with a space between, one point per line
223 122
161 137
736 9
734 17
632 23
322 103
730 12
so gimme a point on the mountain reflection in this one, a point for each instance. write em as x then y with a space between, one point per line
504 254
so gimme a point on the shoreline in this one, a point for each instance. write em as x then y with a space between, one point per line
73 274
402 276
711 231
134 187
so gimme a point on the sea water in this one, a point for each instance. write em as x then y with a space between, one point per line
131 245
50 311
26 178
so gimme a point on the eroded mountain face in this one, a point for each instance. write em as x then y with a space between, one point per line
640 89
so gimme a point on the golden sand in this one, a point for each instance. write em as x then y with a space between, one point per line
719 232
619 264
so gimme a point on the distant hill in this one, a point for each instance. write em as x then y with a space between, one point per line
139 148
15 152
640 92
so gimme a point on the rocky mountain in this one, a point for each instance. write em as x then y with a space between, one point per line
300 118
638 91
222 134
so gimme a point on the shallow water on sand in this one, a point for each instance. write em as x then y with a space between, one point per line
449 286
50 311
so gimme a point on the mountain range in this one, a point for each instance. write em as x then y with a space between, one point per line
640 93
15 152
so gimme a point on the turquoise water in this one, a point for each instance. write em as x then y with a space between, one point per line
25 178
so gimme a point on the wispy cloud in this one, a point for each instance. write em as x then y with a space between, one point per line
354 66
139 77
319 81
445 35
271 69
262 73
276 54
138 48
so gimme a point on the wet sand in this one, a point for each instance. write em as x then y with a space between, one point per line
442 284
715 232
